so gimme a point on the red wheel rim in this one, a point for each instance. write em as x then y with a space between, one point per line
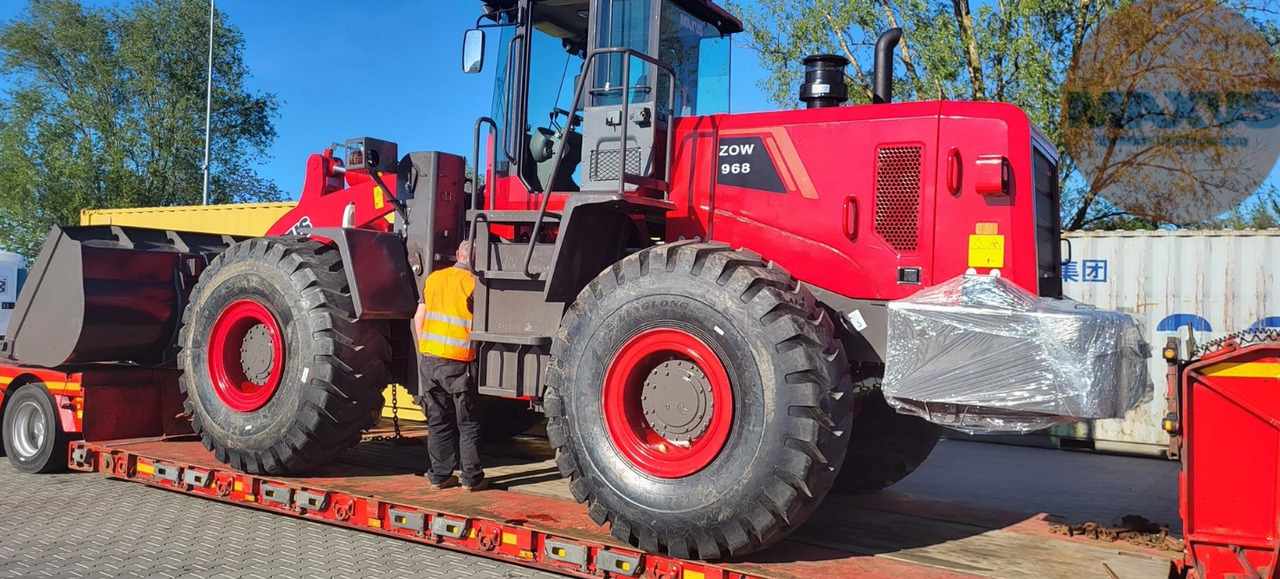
244 377
626 404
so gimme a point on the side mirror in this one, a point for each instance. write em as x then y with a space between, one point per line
473 51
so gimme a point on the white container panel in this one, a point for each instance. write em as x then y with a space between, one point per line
1218 281
12 267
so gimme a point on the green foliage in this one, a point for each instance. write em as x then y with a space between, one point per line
1015 51
106 110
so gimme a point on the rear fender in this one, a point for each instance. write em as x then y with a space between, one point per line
66 406
378 273
63 403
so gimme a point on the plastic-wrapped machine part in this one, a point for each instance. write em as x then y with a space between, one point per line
980 354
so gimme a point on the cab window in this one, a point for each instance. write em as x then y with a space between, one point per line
699 54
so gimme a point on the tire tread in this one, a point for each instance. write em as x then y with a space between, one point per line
811 358
344 386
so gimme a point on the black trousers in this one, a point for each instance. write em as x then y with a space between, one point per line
451 401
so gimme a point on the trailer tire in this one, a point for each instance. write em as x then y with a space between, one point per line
884 446
322 371
753 345
33 436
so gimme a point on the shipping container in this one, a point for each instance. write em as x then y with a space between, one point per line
1215 282
247 219
13 270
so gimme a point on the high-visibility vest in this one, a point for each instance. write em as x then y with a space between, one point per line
446 329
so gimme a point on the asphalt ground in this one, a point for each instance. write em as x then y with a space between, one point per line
85 525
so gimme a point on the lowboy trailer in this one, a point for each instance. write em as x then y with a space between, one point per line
130 428
1224 421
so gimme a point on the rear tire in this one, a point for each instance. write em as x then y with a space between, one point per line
884 446
279 376
724 334
33 437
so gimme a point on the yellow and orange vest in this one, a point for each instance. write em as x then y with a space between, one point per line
446 329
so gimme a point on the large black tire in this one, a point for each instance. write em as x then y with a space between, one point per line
333 369
884 446
503 418
33 436
790 389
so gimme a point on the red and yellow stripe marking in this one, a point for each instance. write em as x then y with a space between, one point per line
1268 370
63 388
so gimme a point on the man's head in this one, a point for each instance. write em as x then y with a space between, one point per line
463 255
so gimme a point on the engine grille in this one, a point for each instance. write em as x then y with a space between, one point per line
898 196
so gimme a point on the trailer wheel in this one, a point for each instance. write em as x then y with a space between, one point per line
721 391
33 436
279 376
884 446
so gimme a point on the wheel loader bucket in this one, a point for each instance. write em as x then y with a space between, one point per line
107 294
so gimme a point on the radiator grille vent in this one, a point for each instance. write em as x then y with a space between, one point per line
898 196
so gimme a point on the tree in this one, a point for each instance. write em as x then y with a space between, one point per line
1015 51
105 109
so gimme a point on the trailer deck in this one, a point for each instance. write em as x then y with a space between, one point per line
529 518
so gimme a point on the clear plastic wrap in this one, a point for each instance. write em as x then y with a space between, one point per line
980 354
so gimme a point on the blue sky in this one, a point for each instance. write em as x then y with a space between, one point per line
389 70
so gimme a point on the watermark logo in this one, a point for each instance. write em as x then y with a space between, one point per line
1171 110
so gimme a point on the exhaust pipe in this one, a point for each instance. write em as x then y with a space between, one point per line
882 81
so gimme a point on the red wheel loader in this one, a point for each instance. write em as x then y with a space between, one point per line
695 299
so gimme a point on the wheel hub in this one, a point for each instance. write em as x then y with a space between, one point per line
667 403
246 355
677 401
28 430
256 354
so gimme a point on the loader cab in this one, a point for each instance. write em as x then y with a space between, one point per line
630 52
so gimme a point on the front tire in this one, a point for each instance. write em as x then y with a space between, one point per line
721 390
279 376
33 437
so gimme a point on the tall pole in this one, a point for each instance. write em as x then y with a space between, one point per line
208 108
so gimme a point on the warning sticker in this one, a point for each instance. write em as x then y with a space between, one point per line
986 251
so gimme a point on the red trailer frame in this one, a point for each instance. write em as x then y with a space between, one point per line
99 403
372 490
1229 405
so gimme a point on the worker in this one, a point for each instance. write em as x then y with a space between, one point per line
445 384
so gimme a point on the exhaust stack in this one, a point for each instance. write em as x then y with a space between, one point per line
882 80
